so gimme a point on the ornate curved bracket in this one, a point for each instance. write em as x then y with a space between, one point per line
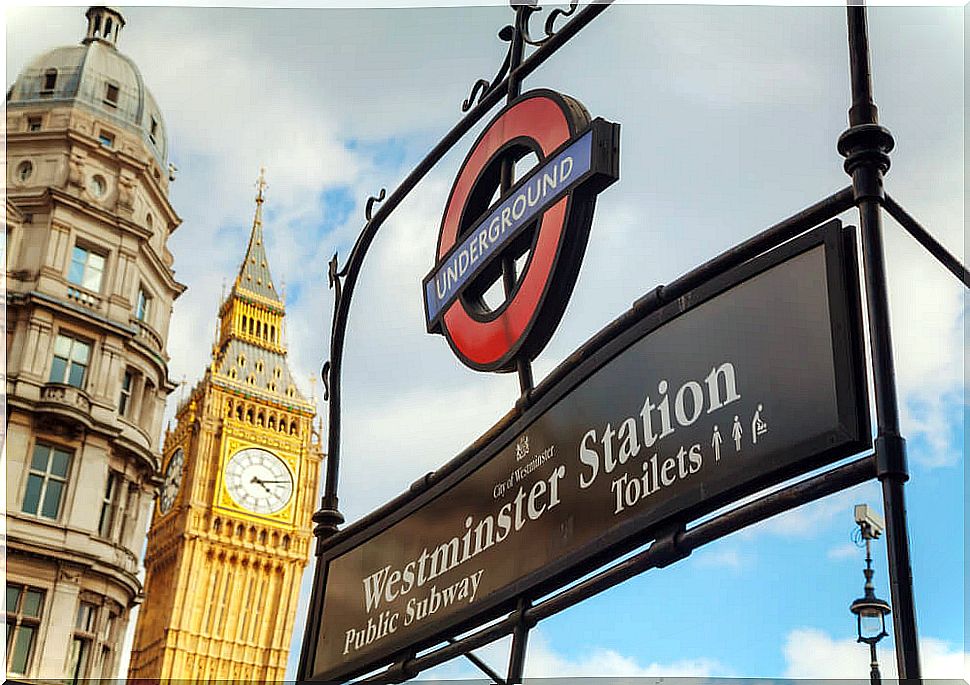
325 376
481 88
550 26
334 275
371 201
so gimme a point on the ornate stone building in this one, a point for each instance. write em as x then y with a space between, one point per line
230 536
89 292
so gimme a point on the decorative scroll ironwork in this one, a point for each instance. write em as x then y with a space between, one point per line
481 88
549 28
371 201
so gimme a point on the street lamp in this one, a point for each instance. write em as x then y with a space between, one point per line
870 611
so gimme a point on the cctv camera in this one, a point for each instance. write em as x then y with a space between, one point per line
872 523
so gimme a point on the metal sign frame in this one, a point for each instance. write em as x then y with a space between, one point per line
865 146
850 437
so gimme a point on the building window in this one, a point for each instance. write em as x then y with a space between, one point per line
108 638
81 643
97 186
149 221
111 94
50 80
127 381
24 170
46 481
34 123
153 129
130 513
106 139
87 268
24 607
70 362
108 505
143 305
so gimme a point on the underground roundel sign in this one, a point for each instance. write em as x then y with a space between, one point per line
515 228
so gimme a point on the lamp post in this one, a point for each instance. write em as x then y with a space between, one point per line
870 611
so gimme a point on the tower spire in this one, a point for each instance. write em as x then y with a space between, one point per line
254 276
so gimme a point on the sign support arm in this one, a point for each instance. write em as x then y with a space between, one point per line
923 237
866 146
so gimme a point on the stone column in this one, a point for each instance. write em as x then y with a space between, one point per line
60 613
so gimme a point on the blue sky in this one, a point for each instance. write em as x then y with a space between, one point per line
730 117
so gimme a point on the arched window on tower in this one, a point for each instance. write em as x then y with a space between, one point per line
97 25
292 427
107 27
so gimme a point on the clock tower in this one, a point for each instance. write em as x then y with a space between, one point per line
231 530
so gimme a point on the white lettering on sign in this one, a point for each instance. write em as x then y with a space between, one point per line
602 452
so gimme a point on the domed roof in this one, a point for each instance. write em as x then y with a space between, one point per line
98 76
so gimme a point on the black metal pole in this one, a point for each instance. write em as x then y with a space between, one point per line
874 677
522 364
482 666
520 640
866 146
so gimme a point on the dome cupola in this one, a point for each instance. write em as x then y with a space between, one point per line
97 76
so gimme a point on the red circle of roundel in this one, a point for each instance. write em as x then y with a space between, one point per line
523 326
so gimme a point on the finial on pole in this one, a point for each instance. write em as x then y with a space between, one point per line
261 184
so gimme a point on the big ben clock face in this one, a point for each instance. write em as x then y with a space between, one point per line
173 481
258 481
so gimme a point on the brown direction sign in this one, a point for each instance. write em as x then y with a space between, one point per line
752 378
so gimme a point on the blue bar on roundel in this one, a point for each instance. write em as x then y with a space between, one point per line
539 191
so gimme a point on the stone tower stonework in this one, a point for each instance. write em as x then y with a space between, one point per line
231 531
89 292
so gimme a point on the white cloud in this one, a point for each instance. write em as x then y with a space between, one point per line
545 660
723 557
846 550
812 653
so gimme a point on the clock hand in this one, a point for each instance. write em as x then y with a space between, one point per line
257 480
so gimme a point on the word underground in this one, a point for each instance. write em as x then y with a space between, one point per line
387 585
616 447
546 185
